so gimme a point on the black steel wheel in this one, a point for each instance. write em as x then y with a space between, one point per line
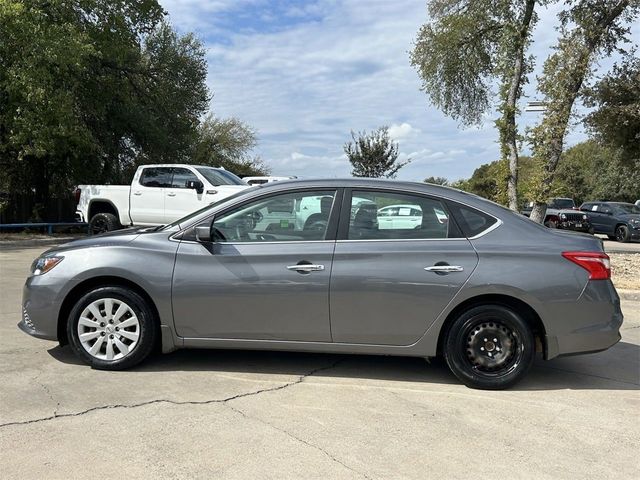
489 347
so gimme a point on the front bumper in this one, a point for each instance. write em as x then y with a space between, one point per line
590 324
585 227
40 307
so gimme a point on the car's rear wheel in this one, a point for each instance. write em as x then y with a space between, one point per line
489 347
112 328
103 222
623 234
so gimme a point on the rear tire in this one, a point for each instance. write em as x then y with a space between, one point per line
623 235
489 347
103 222
112 328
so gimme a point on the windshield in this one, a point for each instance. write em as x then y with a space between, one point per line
217 177
628 208
195 214
562 203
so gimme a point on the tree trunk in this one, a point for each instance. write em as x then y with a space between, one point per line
551 132
508 130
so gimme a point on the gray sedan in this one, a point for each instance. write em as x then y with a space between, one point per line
304 265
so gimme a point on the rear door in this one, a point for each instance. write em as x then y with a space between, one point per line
389 284
180 200
146 200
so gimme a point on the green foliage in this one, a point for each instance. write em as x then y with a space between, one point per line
227 143
616 120
437 181
373 154
89 89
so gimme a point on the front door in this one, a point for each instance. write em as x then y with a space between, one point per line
265 277
390 282
180 200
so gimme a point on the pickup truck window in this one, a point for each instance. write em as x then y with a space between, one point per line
156 177
218 177
181 176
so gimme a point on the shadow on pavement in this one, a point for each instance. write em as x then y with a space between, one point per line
616 369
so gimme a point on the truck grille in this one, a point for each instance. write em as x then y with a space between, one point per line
574 217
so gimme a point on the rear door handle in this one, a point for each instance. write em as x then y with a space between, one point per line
306 267
171 194
444 268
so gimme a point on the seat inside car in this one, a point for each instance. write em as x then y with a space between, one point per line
365 222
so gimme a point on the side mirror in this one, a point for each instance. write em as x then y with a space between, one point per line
203 233
195 185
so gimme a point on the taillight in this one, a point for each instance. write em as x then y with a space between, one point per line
596 263
76 194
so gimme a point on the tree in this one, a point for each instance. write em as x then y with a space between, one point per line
89 89
469 45
373 155
588 29
616 120
437 181
227 143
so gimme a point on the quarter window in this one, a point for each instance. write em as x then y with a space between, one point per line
395 216
472 222
279 218
158 177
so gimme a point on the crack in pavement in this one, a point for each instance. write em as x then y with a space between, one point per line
174 402
300 440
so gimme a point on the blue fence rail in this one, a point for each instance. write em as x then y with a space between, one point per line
48 226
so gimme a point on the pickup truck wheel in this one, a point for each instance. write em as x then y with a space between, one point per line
550 224
489 347
103 222
622 233
112 328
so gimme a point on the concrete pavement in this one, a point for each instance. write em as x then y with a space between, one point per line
237 415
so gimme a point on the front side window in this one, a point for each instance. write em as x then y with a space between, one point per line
158 177
181 176
298 216
396 216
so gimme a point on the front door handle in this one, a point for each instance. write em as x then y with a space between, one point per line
171 194
444 268
137 193
306 268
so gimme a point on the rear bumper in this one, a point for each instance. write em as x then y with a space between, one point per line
79 216
590 324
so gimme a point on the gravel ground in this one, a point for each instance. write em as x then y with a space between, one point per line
625 270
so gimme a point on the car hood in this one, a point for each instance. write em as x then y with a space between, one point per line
118 237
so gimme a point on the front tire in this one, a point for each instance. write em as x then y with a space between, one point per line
623 235
489 347
112 328
103 222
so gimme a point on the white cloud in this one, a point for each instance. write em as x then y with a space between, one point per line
402 131
305 75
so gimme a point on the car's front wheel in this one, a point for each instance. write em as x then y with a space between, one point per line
623 234
112 328
489 347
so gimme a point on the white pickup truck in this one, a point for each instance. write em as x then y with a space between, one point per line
158 194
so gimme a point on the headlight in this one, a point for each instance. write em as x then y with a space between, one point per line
563 216
43 264
635 222
584 217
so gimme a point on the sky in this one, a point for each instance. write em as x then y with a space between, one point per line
304 74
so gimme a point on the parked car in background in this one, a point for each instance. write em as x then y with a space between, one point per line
638 203
562 213
486 289
158 194
265 179
618 220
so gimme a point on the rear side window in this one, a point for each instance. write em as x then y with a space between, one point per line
397 216
472 222
156 177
